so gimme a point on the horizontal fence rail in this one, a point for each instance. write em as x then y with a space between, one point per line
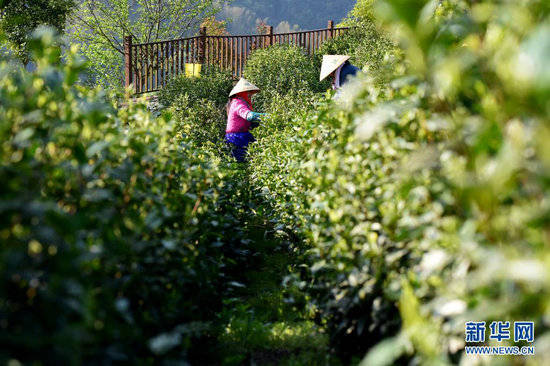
149 66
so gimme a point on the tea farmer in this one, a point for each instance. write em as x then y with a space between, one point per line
241 118
339 68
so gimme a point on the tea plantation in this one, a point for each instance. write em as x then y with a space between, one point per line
366 227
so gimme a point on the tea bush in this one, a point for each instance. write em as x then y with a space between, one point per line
424 200
280 70
213 84
368 47
114 226
202 121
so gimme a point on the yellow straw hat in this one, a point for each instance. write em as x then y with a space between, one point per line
244 86
331 63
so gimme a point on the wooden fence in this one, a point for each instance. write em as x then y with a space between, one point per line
149 66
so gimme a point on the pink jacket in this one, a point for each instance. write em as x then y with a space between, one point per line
236 116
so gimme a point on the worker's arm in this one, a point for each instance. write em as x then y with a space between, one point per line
254 117
242 109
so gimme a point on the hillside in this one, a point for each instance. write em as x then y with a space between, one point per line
284 15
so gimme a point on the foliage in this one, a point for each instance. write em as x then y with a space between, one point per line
215 27
282 69
99 26
370 49
19 18
362 11
325 209
213 84
424 199
133 234
201 121
420 203
262 27
114 227
489 228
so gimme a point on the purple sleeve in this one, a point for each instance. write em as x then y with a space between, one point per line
241 108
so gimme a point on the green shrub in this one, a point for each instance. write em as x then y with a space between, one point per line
280 70
114 226
424 199
20 18
213 84
201 121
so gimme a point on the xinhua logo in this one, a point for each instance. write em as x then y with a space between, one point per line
523 331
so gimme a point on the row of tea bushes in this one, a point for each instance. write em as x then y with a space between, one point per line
115 227
425 201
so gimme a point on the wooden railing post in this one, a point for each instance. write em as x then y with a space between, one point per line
127 61
331 29
202 45
270 34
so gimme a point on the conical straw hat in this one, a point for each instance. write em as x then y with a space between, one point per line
244 86
331 63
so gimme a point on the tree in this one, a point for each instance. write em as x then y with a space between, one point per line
363 11
215 27
99 27
18 18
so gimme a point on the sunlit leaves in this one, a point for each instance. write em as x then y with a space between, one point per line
107 216
422 187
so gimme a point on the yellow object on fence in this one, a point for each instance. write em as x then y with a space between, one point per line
193 70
